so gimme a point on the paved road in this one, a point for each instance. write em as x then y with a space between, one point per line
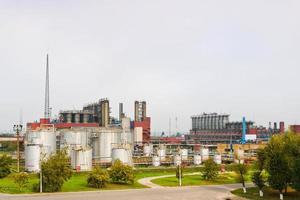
168 193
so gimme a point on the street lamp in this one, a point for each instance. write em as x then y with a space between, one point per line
18 129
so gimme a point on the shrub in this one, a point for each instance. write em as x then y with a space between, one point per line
21 180
98 178
120 173
5 165
55 171
210 170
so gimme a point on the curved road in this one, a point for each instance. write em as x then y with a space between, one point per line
156 192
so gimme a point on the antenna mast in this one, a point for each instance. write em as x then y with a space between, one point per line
47 108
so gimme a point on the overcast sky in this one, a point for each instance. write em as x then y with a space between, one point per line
182 57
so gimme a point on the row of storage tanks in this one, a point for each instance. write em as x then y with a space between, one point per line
183 155
104 145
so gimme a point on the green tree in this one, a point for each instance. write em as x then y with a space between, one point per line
296 175
98 178
5 165
210 170
120 173
259 180
241 169
278 162
21 180
55 171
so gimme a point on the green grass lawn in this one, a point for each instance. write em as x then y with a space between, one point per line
78 181
192 180
269 194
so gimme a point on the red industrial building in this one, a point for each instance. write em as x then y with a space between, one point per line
295 128
146 125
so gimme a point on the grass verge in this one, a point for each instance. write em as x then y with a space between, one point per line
269 194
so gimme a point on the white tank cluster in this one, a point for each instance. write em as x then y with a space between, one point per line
184 154
39 145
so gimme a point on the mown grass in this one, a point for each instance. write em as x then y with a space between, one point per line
194 180
269 194
78 181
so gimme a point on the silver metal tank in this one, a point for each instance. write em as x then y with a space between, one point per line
122 154
156 161
81 159
32 158
218 159
162 154
197 159
184 154
177 160
147 150
204 154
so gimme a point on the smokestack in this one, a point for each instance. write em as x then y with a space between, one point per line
281 127
47 101
120 111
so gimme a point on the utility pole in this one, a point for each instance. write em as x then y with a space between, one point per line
18 129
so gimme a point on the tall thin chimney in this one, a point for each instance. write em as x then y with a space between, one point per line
47 108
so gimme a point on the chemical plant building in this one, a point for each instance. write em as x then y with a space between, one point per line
216 128
91 136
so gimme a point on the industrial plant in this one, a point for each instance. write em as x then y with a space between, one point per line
91 137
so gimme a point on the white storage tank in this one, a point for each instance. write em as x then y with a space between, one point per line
184 154
162 154
36 143
81 159
240 154
155 161
147 150
106 141
204 154
122 154
32 158
177 160
197 159
218 159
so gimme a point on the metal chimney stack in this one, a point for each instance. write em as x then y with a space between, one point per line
47 107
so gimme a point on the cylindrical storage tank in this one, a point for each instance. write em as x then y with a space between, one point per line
197 159
155 161
32 158
121 154
204 154
162 154
240 154
81 160
85 118
184 154
177 160
218 159
106 140
147 150
77 117
69 118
